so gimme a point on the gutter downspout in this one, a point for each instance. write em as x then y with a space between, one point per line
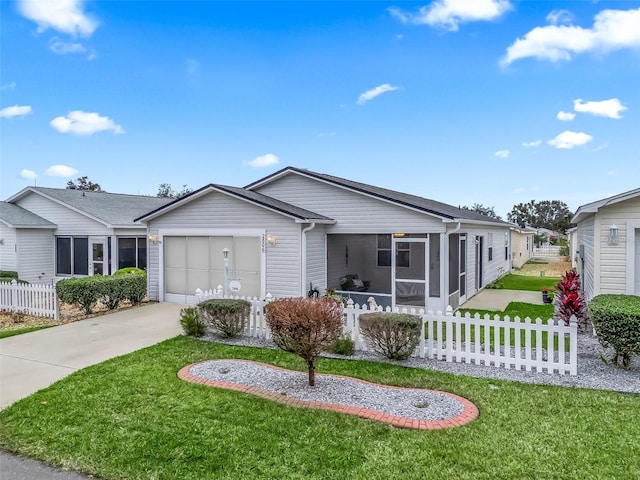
303 275
444 281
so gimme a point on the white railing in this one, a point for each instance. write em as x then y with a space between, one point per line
509 343
549 251
30 299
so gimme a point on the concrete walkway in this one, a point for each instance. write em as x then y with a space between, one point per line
32 361
490 299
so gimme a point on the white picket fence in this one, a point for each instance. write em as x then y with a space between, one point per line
30 299
509 343
548 251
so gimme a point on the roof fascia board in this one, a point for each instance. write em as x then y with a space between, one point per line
59 202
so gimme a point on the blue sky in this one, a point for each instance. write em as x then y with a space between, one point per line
463 101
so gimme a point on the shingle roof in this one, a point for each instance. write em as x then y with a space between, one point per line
253 197
110 208
593 207
17 217
413 201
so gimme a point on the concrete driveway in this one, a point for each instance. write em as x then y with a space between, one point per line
32 361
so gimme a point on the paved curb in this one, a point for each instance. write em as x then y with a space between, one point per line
469 413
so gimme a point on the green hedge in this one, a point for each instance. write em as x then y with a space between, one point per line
395 335
616 319
8 274
111 290
130 271
229 317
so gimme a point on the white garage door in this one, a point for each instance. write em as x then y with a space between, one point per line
637 262
192 262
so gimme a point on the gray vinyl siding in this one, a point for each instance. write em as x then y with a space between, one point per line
36 255
492 270
316 258
354 212
585 237
8 257
69 222
613 258
222 212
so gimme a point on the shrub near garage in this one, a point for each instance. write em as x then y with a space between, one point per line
134 287
395 335
616 319
84 292
229 317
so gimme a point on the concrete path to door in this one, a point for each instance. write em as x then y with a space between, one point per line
492 299
32 361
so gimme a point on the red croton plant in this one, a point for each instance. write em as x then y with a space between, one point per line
569 298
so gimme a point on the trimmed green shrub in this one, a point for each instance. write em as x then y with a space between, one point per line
343 346
305 326
8 274
111 291
191 322
229 317
616 319
134 287
130 271
11 279
394 335
83 291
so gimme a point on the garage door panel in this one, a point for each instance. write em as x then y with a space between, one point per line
174 252
198 279
217 245
198 253
175 281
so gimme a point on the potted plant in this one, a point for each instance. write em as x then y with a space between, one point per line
545 295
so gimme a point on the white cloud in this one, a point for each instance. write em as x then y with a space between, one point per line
556 17
449 14
568 139
61 171
15 111
65 16
612 30
611 173
519 190
59 47
263 161
606 108
374 92
85 123
566 116
533 144
28 174
502 153
8 86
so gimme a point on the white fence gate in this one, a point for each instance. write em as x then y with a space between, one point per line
507 343
36 300
548 251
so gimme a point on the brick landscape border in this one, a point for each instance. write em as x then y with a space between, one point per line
470 411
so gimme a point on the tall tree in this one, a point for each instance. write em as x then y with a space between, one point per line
165 191
83 183
481 209
552 214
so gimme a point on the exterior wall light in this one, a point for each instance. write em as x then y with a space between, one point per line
272 240
154 239
613 235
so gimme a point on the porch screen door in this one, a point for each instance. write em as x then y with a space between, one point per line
410 268
98 261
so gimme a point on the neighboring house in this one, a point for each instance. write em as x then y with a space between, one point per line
572 243
521 245
608 245
24 236
298 230
78 232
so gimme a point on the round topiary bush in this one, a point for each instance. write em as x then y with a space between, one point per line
229 317
616 320
130 271
394 335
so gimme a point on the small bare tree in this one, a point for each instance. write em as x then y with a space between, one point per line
305 326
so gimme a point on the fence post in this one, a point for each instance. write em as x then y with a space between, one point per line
14 295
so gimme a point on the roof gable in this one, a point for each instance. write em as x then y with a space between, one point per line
425 205
110 209
264 201
17 217
593 207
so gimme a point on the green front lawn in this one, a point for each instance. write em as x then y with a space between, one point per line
20 331
523 282
131 417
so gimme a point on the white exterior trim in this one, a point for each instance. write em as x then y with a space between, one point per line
632 226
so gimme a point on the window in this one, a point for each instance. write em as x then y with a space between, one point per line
132 252
72 256
384 250
403 254
506 253
490 253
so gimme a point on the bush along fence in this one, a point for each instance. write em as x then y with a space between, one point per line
531 345
29 299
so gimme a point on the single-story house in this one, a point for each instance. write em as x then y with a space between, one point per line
521 245
297 232
49 233
608 245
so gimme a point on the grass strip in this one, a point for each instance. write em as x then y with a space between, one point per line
20 331
131 417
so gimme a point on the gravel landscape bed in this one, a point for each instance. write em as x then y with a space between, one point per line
593 372
415 403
